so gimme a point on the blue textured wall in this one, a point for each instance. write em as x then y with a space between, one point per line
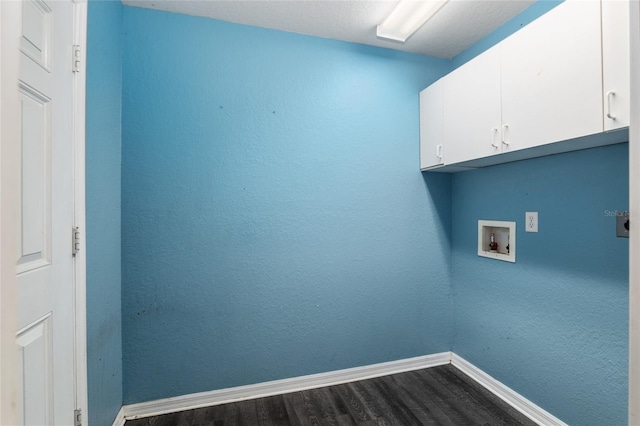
554 325
275 222
104 326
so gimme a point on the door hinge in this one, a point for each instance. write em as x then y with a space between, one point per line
75 64
75 240
77 417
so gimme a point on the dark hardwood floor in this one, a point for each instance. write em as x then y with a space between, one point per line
434 396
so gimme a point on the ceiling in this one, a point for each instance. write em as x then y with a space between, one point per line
458 25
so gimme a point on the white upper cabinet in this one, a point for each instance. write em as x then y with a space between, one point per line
540 91
616 66
431 126
552 77
472 109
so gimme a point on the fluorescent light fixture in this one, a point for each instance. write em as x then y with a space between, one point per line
407 18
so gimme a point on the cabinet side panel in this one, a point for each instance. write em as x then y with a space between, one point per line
615 63
431 122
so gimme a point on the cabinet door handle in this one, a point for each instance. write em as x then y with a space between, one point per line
494 131
610 93
439 151
504 134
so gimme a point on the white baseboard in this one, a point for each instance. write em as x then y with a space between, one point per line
119 420
297 384
277 387
511 397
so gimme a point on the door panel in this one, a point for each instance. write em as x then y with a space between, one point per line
36 180
34 373
36 32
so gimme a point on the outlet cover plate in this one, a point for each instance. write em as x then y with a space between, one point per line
531 221
622 224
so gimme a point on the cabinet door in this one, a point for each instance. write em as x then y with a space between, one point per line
431 130
472 109
552 77
615 63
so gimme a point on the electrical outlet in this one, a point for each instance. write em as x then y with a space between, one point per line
531 221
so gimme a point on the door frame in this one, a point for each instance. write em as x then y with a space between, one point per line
80 260
634 209
10 19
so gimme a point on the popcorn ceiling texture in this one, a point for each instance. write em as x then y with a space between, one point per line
355 21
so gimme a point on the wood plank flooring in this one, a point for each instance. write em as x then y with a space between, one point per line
434 396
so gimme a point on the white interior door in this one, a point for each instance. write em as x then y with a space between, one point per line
45 279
